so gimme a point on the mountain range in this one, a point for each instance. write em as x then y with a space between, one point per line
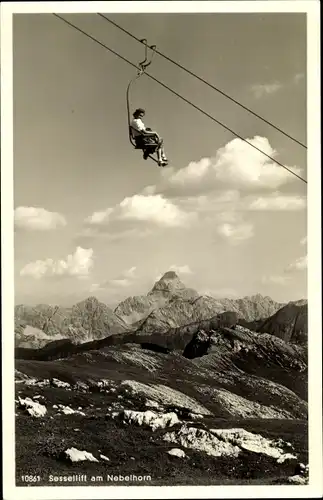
169 304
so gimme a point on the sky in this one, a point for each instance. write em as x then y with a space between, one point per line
93 218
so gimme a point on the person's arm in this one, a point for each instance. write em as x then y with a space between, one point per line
149 132
140 127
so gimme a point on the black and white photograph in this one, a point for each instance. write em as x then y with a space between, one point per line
161 249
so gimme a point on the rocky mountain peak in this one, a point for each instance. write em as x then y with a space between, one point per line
169 285
170 275
169 281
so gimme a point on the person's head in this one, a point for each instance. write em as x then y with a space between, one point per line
139 113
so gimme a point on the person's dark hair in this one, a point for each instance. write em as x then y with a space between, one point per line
138 112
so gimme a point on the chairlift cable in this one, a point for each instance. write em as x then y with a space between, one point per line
181 97
208 83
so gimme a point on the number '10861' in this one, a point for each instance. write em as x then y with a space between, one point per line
30 479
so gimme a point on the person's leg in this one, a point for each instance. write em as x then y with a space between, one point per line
163 154
159 154
162 150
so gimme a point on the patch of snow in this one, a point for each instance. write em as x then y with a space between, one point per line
254 443
59 383
105 458
150 418
55 406
76 455
81 386
298 479
138 357
241 407
37 383
176 452
23 376
67 410
152 404
202 440
195 416
104 383
34 409
166 395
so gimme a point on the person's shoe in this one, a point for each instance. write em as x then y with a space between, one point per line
145 155
162 163
164 159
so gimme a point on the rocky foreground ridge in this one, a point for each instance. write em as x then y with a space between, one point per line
225 405
188 392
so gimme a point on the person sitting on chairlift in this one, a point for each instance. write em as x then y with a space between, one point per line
145 137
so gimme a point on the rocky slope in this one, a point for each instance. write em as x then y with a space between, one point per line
289 323
225 357
228 408
87 320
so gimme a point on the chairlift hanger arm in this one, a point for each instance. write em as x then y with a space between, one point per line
145 63
141 69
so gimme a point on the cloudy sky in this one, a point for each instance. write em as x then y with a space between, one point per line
93 218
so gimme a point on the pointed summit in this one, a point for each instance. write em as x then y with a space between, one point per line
169 275
170 284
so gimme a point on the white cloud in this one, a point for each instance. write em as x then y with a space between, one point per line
117 234
298 77
229 216
220 293
275 280
240 164
237 164
185 269
120 282
36 218
154 209
208 190
149 190
99 217
124 279
94 287
260 90
235 233
78 264
130 273
276 201
194 172
299 265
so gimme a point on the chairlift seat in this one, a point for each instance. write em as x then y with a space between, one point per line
151 145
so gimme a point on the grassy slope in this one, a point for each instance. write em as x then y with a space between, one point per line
42 441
